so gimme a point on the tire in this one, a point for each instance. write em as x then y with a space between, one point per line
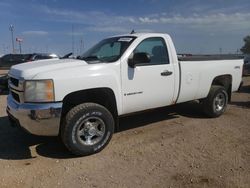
87 129
216 102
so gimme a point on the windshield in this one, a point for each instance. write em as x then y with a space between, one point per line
108 50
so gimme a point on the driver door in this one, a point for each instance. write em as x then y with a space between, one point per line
148 85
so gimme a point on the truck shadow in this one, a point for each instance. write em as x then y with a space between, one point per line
190 109
244 89
15 144
245 104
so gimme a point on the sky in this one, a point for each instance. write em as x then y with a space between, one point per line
63 26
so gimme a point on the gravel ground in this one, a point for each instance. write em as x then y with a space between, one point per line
168 147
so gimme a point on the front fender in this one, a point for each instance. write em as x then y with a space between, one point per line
88 77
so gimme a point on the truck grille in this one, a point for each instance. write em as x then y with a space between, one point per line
14 81
15 96
16 89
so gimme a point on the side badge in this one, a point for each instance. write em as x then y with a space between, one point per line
237 67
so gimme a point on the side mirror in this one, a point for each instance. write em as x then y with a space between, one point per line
138 58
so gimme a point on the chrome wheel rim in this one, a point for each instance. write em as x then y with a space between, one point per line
91 131
219 102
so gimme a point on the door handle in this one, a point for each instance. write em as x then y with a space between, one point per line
166 73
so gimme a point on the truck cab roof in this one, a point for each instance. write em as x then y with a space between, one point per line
143 35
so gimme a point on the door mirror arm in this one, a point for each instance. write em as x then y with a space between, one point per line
131 63
138 58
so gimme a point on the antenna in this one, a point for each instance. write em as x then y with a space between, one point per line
132 32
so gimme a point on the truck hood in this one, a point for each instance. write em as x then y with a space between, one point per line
31 69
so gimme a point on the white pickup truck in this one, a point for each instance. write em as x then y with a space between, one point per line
81 100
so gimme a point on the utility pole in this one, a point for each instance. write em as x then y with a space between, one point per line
220 49
20 47
4 47
81 46
11 28
19 40
73 40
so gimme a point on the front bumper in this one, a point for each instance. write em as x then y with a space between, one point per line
39 119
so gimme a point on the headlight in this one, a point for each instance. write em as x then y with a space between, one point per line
39 91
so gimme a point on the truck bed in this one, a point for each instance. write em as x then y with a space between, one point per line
197 76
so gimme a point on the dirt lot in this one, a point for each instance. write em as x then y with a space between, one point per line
169 147
3 72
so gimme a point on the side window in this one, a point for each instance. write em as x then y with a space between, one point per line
156 48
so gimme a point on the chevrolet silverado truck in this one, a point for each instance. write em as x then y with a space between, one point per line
81 99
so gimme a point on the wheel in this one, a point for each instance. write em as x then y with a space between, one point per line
87 129
216 102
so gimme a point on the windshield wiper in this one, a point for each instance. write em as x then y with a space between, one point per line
89 58
66 56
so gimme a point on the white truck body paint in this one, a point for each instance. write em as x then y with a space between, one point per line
153 90
197 77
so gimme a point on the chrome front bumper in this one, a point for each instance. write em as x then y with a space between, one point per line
39 119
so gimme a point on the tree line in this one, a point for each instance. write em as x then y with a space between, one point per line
246 48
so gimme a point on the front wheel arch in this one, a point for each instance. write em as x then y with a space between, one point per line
103 96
